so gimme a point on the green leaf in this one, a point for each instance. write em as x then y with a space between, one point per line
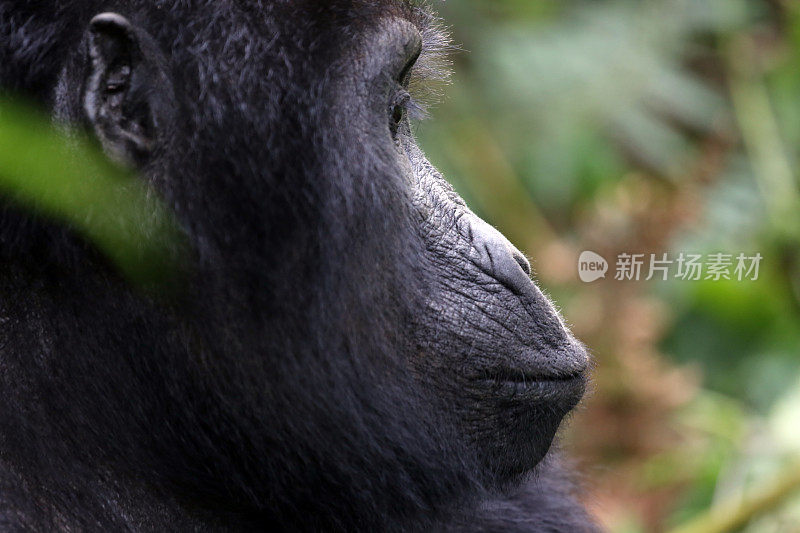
62 176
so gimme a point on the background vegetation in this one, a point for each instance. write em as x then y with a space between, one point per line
649 127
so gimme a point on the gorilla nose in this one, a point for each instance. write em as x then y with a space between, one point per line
521 260
497 257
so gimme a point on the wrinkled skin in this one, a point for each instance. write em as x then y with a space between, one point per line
506 363
352 348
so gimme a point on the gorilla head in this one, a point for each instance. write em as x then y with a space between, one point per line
354 348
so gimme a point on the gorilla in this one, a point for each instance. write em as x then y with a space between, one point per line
351 349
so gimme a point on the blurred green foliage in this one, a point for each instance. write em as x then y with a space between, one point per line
61 176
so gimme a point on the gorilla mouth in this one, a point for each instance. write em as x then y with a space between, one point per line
525 385
562 367
505 375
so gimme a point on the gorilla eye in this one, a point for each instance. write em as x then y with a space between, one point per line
402 101
397 114
400 105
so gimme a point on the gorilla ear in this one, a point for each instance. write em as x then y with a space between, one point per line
121 88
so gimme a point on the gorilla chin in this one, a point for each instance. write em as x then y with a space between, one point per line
516 414
529 412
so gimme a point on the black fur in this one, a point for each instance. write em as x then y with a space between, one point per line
349 352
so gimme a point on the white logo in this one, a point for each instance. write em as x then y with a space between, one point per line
591 267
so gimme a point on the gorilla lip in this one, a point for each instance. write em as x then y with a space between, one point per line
529 387
563 364
521 379
505 375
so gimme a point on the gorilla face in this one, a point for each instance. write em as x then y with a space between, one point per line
483 340
488 343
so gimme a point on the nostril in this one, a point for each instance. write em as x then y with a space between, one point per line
504 264
522 261
494 255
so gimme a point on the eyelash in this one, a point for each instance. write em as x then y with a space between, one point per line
404 107
402 101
